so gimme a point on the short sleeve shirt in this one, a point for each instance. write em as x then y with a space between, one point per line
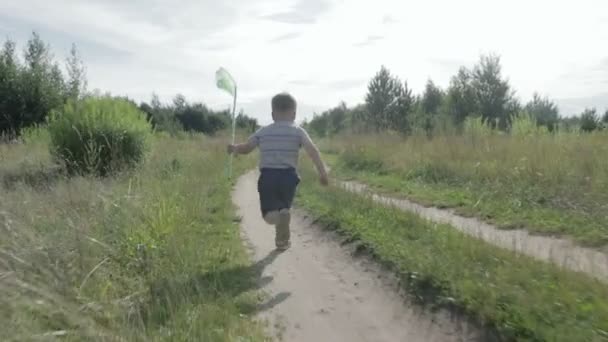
280 144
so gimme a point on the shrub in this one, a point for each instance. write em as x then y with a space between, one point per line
35 135
99 135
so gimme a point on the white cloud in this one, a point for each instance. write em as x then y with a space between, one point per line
324 51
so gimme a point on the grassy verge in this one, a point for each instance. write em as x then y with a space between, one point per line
514 185
521 298
154 254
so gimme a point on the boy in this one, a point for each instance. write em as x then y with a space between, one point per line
279 145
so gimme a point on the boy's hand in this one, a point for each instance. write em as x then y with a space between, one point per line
324 179
230 149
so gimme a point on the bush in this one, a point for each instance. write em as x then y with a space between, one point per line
99 135
35 135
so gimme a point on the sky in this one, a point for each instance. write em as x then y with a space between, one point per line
322 51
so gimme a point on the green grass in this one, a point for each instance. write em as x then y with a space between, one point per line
547 184
152 254
522 299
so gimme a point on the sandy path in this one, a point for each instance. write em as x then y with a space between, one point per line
319 292
561 252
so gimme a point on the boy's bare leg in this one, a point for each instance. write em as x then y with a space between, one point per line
272 217
282 229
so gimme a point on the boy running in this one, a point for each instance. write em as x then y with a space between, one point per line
279 145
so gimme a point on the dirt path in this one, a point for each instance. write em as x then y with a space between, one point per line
562 252
319 292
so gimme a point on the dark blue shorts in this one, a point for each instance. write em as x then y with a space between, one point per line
277 188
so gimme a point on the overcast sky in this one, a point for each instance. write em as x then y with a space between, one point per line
323 51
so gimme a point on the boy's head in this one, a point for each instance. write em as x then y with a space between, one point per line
283 107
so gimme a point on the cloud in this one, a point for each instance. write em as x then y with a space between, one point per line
288 36
346 84
138 47
303 12
302 82
388 20
370 40
450 65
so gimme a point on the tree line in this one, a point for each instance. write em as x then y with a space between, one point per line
197 117
34 83
480 91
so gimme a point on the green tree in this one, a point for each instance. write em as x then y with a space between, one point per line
11 101
427 111
605 118
331 121
432 98
42 84
400 109
495 99
77 80
245 122
589 120
460 98
544 111
337 118
381 92
179 103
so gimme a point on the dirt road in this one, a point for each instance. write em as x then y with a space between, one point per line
317 291
560 251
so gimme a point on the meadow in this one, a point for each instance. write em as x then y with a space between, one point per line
150 253
547 183
514 296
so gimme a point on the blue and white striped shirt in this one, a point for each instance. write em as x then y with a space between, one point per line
280 144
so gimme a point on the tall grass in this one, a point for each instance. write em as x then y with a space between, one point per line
150 254
562 175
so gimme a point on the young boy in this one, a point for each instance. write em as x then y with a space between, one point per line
279 145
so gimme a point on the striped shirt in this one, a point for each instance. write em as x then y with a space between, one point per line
280 144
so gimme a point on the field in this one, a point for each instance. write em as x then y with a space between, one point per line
520 298
149 254
155 253
551 184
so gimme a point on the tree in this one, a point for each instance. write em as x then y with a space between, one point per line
11 101
42 84
589 120
155 102
381 92
29 90
605 118
331 121
37 53
495 99
432 98
460 99
179 103
388 102
544 111
428 107
77 79
398 115
245 122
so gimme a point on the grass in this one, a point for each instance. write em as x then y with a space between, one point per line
520 298
153 254
548 184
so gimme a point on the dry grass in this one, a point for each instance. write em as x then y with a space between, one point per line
547 183
153 254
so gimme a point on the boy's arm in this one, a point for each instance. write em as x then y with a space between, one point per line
243 148
313 153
